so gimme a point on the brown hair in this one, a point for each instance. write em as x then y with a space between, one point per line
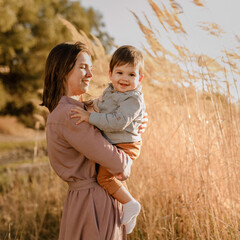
127 55
59 63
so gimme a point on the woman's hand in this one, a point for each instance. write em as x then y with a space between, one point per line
143 126
119 177
80 113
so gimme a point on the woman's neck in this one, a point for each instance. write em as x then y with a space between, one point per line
77 97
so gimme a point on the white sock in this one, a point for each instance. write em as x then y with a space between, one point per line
130 210
130 226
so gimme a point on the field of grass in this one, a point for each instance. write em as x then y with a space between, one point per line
187 177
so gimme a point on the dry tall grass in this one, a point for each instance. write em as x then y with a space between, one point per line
187 177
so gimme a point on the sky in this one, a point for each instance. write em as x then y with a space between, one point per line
122 25
119 21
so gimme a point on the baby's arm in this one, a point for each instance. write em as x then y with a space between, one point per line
127 111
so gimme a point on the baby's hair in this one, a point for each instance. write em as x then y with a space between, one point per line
127 54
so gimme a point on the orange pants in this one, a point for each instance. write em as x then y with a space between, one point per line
106 179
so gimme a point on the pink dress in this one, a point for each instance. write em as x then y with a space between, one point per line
89 212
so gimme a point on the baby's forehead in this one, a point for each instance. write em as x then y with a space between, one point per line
127 66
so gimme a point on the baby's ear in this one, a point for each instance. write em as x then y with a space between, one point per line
141 77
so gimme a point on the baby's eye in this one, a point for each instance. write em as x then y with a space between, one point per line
132 75
119 72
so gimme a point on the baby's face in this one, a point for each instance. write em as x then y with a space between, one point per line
125 78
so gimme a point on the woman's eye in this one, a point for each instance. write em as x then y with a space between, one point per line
83 66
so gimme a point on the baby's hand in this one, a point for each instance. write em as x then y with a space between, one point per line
80 113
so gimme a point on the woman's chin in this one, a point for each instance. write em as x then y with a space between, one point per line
82 91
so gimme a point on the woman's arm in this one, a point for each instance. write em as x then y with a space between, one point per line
88 140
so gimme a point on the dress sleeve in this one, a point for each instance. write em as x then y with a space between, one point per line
127 111
88 140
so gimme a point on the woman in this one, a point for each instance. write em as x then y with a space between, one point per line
89 212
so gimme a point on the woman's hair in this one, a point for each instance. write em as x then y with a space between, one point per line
59 63
127 55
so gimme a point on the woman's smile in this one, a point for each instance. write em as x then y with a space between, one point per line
86 82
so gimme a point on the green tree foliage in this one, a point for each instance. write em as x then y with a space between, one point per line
28 30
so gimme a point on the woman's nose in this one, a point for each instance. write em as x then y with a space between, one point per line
89 73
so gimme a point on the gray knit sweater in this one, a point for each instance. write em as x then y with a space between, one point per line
120 115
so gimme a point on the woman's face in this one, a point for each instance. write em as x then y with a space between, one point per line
78 79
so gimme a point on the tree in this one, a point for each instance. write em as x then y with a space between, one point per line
28 30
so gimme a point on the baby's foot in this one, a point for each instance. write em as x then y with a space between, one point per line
130 210
130 226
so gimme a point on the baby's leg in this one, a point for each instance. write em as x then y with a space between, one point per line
131 207
132 149
108 181
122 194
114 187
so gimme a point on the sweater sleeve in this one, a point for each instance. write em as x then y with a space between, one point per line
88 140
127 111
